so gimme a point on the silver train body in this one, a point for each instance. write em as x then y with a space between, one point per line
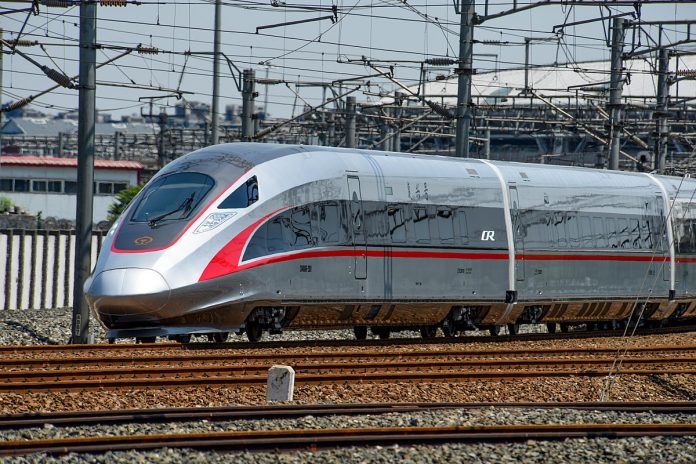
267 237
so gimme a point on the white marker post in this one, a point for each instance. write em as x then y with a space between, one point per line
281 383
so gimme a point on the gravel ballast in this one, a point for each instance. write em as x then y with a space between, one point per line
53 327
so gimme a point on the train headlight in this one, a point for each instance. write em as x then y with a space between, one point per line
212 221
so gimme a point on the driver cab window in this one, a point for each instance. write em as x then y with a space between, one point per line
245 195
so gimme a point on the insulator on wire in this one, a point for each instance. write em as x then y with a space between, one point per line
439 109
147 50
18 104
58 77
686 72
113 2
440 61
57 3
25 43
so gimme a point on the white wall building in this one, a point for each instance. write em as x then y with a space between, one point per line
49 185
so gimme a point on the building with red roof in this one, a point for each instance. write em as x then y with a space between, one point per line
48 185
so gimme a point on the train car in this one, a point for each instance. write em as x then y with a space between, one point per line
248 237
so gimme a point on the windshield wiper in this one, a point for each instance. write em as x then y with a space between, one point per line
185 206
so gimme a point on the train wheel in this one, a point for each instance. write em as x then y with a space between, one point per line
360 332
183 338
494 330
218 337
565 327
428 331
254 331
112 341
513 329
448 328
382 332
145 339
551 327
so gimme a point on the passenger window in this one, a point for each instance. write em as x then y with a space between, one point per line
623 235
551 229
573 231
420 223
463 227
635 233
586 232
560 226
445 225
274 236
257 244
328 223
646 234
599 232
397 226
245 195
611 235
374 222
300 228
534 224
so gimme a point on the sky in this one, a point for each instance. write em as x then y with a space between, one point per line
393 35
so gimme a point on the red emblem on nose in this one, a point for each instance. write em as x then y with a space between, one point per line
144 240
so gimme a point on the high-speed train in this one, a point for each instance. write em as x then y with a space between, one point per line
249 237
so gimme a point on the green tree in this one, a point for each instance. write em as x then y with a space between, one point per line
123 199
5 204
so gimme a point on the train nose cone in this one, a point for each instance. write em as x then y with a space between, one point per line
128 291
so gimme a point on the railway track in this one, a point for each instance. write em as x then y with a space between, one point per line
313 439
342 368
4 350
138 355
293 411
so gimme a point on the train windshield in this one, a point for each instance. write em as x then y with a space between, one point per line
172 197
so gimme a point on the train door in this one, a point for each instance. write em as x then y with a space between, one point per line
662 240
517 231
358 227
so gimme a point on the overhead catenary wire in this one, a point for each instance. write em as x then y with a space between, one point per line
197 66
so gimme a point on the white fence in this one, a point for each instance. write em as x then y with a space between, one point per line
37 267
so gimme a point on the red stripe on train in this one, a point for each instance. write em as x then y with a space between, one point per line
228 260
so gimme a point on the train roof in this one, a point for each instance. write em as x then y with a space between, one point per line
247 155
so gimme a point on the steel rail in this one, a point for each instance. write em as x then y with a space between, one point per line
341 437
133 357
325 378
388 365
4 350
278 411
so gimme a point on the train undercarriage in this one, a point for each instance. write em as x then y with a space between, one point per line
382 319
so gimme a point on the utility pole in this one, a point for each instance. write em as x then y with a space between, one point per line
384 133
616 86
117 145
350 122
487 145
161 147
61 144
1 72
396 137
331 129
661 111
248 95
85 168
526 64
464 71
216 75
265 95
